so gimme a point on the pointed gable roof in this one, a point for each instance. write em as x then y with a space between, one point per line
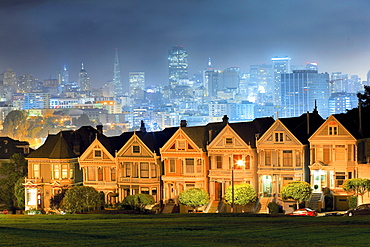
304 126
248 130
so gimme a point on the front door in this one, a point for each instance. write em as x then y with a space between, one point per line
218 191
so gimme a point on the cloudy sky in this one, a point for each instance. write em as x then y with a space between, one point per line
39 37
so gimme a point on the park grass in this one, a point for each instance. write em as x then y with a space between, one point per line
182 230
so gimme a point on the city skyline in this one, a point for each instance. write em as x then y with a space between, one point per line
40 37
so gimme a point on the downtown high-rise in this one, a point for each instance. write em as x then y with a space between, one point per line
177 66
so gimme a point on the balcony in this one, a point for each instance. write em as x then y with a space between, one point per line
227 173
138 180
34 180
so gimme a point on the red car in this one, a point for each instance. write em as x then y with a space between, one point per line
304 212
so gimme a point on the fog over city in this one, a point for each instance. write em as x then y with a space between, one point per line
40 37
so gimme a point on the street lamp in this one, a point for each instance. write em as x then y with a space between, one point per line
238 164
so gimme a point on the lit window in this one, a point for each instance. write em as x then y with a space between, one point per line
100 174
113 174
219 162
172 165
181 145
36 170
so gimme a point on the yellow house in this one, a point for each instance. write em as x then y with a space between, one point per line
185 162
283 155
233 152
334 156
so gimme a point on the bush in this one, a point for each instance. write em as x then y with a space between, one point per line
328 199
194 197
352 201
273 207
137 202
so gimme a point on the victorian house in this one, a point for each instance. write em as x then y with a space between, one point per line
54 166
233 155
283 152
339 152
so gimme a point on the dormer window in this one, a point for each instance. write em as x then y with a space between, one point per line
228 141
333 130
279 137
97 153
181 145
136 149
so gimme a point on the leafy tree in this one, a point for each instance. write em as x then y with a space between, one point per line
243 194
11 171
81 199
19 193
365 97
298 190
139 201
57 199
15 125
194 197
357 185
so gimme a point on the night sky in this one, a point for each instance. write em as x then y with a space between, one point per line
39 37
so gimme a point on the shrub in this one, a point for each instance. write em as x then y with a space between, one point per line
273 207
352 201
194 197
137 202
243 194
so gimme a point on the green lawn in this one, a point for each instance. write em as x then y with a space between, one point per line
182 230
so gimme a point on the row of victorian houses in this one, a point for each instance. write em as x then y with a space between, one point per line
272 152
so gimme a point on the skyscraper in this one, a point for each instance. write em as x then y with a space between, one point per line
177 65
301 89
117 84
84 82
137 85
280 65
64 76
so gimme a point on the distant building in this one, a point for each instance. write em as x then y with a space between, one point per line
177 65
117 84
302 90
340 102
84 82
280 65
137 85
36 101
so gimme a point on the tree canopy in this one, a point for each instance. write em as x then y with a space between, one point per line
15 125
298 190
11 171
194 197
357 185
243 194
81 199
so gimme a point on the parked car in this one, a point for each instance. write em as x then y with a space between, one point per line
363 209
304 212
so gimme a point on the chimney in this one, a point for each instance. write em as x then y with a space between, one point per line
183 123
142 126
99 128
209 135
308 122
225 119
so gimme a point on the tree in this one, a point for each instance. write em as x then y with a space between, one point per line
19 193
57 199
243 194
11 171
299 191
194 197
15 125
81 199
139 201
365 97
357 185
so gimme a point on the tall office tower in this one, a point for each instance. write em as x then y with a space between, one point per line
311 66
280 65
229 78
355 84
64 76
117 84
10 80
340 102
177 65
261 83
338 82
25 83
211 82
137 85
84 81
302 90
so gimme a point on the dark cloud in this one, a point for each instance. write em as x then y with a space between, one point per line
41 36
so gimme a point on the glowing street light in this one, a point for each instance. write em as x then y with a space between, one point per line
239 163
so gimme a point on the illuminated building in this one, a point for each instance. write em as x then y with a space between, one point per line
280 65
302 90
117 84
177 65
84 82
137 85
